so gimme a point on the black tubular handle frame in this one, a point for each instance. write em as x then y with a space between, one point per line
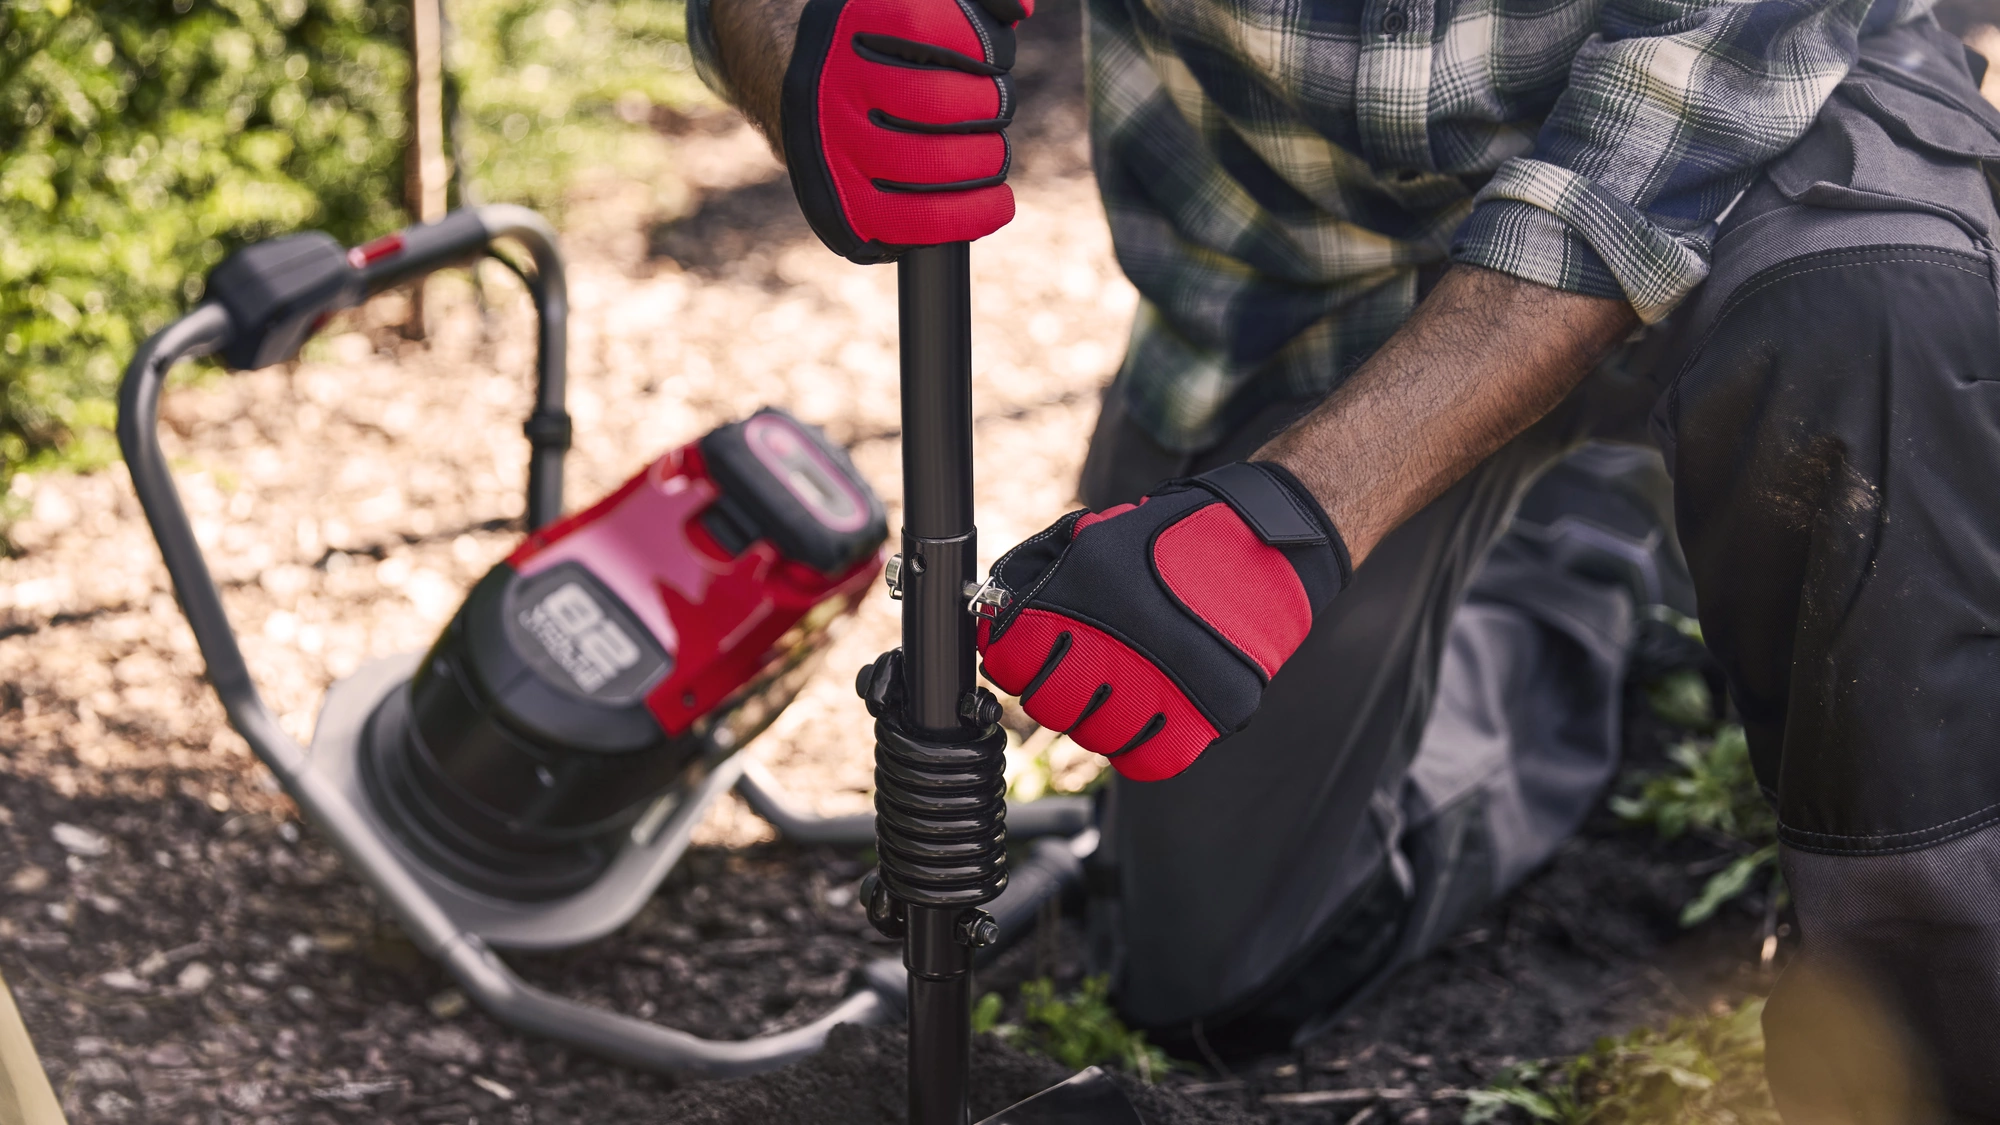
461 238
455 240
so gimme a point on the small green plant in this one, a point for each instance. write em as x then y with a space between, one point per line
1713 794
1703 1071
1732 881
1079 1029
1682 698
986 1013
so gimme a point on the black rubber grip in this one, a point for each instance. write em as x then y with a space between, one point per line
457 239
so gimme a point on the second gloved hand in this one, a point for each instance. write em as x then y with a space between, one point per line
1148 631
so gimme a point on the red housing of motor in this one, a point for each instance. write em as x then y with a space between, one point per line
722 616
618 649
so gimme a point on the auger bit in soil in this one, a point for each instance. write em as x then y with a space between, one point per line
940 793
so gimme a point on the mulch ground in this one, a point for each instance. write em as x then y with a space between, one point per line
185 950
183 964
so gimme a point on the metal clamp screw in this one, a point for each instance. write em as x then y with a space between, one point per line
987 599
977 929
893 570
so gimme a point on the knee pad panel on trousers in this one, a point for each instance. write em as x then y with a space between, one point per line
1837 465
1894 1008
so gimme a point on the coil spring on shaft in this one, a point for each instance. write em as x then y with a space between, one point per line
941 817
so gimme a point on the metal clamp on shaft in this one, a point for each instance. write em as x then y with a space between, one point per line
548 429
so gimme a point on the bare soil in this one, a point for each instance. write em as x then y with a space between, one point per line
185 950
843 1085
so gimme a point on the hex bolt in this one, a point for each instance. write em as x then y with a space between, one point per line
979 708
977 929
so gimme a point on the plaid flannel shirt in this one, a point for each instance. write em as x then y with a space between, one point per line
1276 172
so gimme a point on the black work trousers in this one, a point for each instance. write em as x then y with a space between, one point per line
1829 405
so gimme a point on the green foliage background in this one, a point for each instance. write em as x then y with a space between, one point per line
142 140
548 87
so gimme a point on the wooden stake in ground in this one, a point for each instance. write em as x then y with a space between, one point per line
25 1096
424 170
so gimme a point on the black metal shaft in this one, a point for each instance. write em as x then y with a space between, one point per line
935 301
935 298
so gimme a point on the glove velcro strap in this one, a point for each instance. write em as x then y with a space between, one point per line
1278 508
1272 510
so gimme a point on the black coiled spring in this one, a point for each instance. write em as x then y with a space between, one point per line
941 817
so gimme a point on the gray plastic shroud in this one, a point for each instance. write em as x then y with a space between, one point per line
330 770
655 843
652 847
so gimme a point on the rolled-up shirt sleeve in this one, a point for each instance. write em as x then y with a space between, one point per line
1671 110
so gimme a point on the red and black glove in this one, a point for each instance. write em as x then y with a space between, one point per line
894 112
1148 631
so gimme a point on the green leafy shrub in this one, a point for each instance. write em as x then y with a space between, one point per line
1703 1071
1078 1030
141 141
1713 793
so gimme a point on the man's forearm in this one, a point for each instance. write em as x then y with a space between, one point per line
754 39
1482 359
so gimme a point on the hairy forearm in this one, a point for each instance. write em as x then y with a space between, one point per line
754 39
1482 359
